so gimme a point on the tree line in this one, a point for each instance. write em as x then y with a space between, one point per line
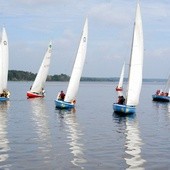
17 75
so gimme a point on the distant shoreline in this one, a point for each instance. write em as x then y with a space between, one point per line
18 75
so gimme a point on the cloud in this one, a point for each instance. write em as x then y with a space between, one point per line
108 13
156 10
31 24
159 53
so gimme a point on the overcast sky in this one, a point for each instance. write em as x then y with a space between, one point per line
31 24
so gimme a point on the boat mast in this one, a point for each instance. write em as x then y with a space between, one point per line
131 55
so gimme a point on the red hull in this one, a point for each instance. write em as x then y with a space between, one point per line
33 95
119 89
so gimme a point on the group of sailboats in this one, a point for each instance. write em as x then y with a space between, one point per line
125 105
68 100
37 89
135 72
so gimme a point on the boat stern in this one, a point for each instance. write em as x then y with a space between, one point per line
60 104
3 99
119 89
160 98
123 109
33 95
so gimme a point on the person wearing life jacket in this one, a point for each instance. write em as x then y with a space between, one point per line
121 100
62 95
157 92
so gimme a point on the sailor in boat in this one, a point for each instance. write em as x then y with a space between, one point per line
61 96
5 94
74 102
164 94
119 88
157 92
161 93
121 100
43 91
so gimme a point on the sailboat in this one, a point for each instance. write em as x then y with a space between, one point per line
163 96
73 86
4 57
135 70
37 89
120 84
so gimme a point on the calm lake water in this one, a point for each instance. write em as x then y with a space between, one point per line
34 135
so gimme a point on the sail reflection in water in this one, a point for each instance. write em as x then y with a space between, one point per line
133 145
40 118
4 142
168 109
74 137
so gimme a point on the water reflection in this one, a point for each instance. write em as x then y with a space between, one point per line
169 109
133 142
74 136
161 105
162 108
4 142
40 117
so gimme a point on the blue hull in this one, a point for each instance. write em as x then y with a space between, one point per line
3 99
124 109
63 105
160 98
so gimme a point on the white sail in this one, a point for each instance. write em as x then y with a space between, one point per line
1 70
167 86
3 61
136 62
43 72
78 66
120 85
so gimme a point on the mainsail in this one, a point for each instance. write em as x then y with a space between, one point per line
136 62
3 61
78 66
41 77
